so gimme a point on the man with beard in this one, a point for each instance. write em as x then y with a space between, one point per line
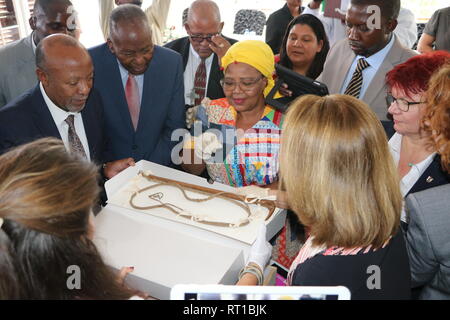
358 65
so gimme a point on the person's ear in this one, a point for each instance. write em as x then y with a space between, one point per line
221 27
391 25
110 46
42 76
32 22
186 26
320 46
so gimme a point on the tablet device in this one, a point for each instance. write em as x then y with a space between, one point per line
225 292
298 84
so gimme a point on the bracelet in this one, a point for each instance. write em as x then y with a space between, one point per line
253 269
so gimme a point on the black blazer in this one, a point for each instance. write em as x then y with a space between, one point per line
432 177
214 90
27 118
276 26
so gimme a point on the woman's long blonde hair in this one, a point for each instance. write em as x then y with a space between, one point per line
338 173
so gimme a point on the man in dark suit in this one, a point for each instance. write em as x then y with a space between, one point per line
141 85
204 43
61 105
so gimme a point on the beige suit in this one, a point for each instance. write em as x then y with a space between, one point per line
18 69
339 61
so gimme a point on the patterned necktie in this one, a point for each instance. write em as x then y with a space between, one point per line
132 96
354 87
74 141
200 83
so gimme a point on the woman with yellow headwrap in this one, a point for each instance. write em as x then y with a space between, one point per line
240 130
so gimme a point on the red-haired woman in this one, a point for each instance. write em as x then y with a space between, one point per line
418 164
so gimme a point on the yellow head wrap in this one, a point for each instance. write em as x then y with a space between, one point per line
255 53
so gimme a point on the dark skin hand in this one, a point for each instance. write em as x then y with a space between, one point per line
110 169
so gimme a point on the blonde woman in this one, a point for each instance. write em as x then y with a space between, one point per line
341 182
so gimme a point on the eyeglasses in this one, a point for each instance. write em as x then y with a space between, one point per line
402 104
199 38
244 85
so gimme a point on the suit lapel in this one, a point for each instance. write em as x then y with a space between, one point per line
378 85
342 67
41 115
433 176
112 72
91 124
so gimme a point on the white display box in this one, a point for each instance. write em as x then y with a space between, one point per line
164 252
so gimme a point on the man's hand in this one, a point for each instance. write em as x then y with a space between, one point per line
219 46
110 169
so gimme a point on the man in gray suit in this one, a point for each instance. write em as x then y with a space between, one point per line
428 241
358 65
18 71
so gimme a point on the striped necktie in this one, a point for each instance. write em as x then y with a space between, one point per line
200 83
354 87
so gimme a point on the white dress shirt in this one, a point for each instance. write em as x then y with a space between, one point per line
59 116
410 179
193 62
368 73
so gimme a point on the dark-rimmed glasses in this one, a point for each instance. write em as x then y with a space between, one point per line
199 37
402 104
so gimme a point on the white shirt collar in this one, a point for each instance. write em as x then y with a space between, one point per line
59 115
377 59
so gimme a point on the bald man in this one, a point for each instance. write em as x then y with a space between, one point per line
17 60
141 85
203 47
61 105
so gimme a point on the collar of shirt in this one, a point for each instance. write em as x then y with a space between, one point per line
193 62
368 74
410 179
59 116
124 77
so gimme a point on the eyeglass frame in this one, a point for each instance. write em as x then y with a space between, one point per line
389 96
202 37
255 81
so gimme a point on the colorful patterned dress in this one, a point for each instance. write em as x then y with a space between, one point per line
247 158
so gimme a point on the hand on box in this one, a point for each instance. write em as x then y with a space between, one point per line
255 192
191 114
110 169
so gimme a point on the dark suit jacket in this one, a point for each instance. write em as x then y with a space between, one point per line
162 107
433 176
276 26
28 118
214 90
